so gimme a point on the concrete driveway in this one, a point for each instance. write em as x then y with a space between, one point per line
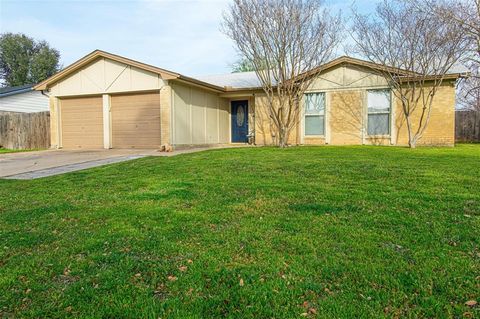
30 165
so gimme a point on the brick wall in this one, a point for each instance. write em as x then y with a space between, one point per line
265 132
347 117
165 114
441 127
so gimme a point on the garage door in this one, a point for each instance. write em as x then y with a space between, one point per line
82 122
136 120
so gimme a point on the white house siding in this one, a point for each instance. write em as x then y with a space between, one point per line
28 102
199 117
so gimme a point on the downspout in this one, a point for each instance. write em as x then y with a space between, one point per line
43 93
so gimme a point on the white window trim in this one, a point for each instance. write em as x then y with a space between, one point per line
325 117
107 121
393 132
364 116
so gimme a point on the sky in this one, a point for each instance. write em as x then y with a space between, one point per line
178 35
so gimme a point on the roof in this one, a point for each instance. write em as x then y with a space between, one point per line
458 68
226 82
165 74
247 80
6 91
235 80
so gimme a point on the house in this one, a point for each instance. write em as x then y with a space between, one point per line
108 101
24 118
23 99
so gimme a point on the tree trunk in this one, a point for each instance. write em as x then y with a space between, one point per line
411 139
282 137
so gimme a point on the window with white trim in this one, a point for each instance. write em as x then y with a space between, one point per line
379 108
314 114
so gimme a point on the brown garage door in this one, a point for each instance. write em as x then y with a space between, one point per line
82 122
136 120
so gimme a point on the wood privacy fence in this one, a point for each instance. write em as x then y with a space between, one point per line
24 130
467 126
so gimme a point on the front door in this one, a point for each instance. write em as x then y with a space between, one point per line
239 121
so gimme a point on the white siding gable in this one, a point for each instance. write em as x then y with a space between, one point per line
347 77
107 76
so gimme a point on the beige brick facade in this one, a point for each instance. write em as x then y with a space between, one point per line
314 141
264 127
346 120
441 127
346 117
165 114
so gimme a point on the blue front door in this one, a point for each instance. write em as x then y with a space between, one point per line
239 121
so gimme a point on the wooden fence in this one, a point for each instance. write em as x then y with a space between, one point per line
467 126
24 130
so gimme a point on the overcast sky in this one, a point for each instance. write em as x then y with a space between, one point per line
180 35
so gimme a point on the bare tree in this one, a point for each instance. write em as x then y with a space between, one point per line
466 15
283 39
463 13
416 51
469 91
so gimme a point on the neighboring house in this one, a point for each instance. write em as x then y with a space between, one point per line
22 99
107 101
24 118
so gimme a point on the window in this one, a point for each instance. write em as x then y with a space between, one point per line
315 114
378 112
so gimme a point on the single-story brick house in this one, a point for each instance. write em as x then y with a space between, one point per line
108 101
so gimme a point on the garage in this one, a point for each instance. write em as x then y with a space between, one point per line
81 123
108 101
135 120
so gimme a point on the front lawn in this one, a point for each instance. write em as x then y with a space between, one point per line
6 150
322 232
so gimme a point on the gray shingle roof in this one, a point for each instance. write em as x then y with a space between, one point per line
458 68
15 89
239 80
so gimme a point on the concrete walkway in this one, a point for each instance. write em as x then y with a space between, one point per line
71 167
37 164
13 164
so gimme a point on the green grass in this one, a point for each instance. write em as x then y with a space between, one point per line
334 232
6 150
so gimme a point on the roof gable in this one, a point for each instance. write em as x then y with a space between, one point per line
98 54
342 76
165 74
454 73
353 62
103 76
